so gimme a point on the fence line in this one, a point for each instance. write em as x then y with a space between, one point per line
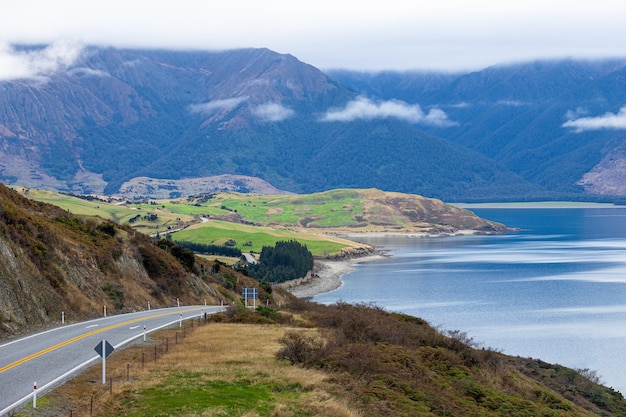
121 374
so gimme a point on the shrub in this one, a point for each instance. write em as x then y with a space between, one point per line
270 313
299 347
107 228
115 293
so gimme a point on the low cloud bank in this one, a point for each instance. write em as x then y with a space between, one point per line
217 105
273 112
614 121
364 108
36 64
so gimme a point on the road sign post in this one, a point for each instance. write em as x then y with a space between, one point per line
250 293
104 349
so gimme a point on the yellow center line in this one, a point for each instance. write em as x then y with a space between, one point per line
83 336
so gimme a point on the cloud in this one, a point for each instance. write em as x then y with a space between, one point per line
88 72
273 112
364 108
616 121
512 103
37 63
217 105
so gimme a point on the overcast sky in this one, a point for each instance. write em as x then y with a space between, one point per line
362 35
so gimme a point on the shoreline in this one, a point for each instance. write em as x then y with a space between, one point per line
326 276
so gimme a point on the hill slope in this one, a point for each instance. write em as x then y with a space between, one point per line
343 211
115 115
52 262
533 117
331 361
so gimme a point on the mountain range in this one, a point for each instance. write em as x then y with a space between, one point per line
540 130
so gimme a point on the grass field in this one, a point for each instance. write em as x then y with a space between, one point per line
336 208
252 239
255 221
329 209
216 370
119 213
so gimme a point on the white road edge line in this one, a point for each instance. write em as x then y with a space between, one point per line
76 369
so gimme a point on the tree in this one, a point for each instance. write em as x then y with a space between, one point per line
283 262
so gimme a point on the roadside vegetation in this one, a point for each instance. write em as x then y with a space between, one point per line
341 360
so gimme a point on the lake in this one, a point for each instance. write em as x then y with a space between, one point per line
554 290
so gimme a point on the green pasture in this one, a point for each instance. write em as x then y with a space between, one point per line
317 210
335 208
175 207
332 208
214 230
80 206
121 214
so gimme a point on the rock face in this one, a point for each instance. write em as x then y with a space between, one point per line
609 176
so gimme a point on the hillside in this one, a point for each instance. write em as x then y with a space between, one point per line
250 221
52 261
546 121
329 361
345 211
116 115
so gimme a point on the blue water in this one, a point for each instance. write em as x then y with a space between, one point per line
555 290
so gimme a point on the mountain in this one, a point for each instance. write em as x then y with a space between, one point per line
547 121
528 131
115 115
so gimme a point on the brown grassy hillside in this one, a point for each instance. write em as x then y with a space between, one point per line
52 262
335 361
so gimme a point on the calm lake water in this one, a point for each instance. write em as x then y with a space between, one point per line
555 290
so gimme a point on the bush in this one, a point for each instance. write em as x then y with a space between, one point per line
107 228
270 313
299 347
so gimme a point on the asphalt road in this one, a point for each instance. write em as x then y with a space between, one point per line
54 356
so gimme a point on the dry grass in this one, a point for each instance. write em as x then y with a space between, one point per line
214 352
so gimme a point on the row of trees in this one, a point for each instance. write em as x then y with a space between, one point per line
217 250
283 262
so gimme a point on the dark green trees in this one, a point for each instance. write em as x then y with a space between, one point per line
283 262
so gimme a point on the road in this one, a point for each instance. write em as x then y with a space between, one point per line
54 356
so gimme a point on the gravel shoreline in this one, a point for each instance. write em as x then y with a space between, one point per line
326 276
